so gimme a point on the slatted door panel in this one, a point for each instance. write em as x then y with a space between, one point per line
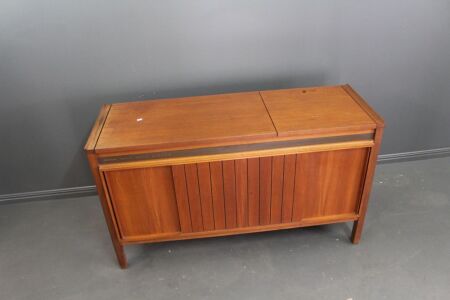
268 190
234 193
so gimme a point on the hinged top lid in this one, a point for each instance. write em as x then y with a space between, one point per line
186 122
312 111
229 119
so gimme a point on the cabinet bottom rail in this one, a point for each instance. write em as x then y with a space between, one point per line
174 236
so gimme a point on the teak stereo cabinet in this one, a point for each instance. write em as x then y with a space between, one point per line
226 164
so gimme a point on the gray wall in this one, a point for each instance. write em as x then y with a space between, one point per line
60 60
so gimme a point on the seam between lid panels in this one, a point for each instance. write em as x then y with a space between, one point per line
268 113
103 125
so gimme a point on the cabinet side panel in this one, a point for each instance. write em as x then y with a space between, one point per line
204 182
194 196
179 180
217 194
144 201
329 183
241 192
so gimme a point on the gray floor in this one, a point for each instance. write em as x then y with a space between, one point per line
60 249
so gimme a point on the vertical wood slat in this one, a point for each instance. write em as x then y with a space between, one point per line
253 191
179 180
229 186
288 187
194 197
265 188
298 183
217 194
277 189
204 181
241 193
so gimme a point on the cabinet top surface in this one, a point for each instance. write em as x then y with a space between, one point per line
227 119
315 110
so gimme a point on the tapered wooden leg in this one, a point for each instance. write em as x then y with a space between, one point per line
371 164
357 230
118 248
121 257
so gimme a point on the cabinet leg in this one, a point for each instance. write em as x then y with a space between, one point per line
118 248
120 253
372 161
357 230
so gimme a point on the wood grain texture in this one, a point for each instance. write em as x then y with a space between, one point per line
97 128
265 189
185 122
368 180
241 193
363 104
204 180
253 191
305 111
195 205
230 119
260 187
179 181
242 230
236 155
339 133
144 201
328 183
229 182
288 187
277 189
218 194
107 211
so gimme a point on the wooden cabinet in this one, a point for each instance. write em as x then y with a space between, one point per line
234 163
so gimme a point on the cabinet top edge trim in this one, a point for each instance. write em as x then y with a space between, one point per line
97 128
160 162
286 137
379 121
